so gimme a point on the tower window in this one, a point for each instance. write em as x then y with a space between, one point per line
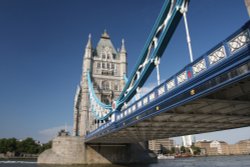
112 66
108 66
98 65
116 87
105 85
105 99
108 56
103 65
103 56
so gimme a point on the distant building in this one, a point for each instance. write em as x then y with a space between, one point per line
213 147
38 142
158 145
188 140
205 147
222 147
242 147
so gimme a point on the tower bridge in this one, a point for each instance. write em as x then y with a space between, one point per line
211 93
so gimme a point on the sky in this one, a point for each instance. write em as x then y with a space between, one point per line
42 44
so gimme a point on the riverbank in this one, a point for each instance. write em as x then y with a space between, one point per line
221 161
30 159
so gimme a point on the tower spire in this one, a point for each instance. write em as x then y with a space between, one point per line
89 44
105 34
88 49
123 49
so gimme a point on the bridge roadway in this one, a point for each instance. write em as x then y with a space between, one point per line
210 94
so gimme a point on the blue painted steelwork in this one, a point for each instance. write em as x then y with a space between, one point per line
159 37
227 63
125 78
100 110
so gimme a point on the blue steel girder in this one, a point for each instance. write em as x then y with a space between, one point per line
158 39
225 64
99 110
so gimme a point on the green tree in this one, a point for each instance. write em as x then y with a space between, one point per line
183 149
3 148
196 150
172 150
8 145
28 146
11 144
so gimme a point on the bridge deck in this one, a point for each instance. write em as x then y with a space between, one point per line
210 99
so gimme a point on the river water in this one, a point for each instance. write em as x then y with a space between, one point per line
217 161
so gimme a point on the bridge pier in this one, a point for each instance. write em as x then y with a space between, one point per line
73 150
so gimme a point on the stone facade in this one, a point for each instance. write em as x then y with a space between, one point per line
159 144
65 150
222 148
241 147
107 67
69 150
213 147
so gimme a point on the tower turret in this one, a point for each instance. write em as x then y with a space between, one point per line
107 67
81 125
87 55
123 49
123 59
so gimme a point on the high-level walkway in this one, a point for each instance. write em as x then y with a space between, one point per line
210 94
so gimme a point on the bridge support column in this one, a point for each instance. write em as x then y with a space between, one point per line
73 150
65 150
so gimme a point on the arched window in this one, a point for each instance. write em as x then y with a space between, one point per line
116 86
105 85
103 65
103 56
98 65
105 99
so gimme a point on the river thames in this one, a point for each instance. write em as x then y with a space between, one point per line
217 161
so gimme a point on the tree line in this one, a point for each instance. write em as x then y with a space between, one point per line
182 150
19 147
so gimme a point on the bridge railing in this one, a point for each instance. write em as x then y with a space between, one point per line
227 49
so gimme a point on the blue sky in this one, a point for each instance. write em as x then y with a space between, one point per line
42 43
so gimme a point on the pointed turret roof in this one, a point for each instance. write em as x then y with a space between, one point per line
104 42
123 49
89 44
105 35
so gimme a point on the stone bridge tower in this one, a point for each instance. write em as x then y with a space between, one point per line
107 67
